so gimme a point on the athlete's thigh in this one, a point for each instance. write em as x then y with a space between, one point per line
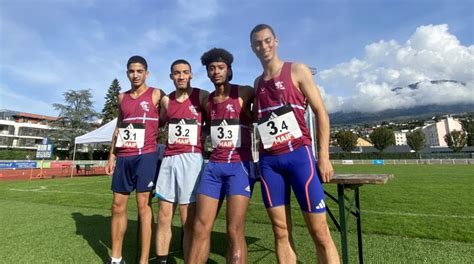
211 183
240 178
122 179
166 182
305 181
146 172
188 168
273 183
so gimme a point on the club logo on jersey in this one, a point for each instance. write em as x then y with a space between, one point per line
279 85
193 110
230 108
145 106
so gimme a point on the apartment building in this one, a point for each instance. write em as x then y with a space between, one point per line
20 130
434 133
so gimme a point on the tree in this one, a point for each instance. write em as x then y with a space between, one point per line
382 137
111 105
456 140
416 140
346 140
468 127
74 119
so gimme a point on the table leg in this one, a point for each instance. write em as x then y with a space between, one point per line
359 226
343 224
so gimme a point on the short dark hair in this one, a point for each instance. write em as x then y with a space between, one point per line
259 28
137 59
218 55
180 61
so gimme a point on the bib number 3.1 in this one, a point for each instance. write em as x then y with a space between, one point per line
131 135
278 127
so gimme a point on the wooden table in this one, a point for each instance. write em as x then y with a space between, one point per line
347 183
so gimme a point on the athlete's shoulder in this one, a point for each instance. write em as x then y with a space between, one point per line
298 68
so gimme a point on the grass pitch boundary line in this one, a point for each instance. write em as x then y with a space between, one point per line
42 189
419 215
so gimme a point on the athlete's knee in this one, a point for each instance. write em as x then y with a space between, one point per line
201 228
321 236
165 217
119 207
281 231
235 231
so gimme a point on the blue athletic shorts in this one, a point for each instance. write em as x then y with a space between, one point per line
296 169
135 173
221 179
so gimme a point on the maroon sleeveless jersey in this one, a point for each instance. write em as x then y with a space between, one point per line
138 114
276 97
230 129
185 123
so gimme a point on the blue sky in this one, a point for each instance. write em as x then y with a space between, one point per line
362 49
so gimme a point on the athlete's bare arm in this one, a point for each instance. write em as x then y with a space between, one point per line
303 79
163 109
203 98
254 107
246 96
110 167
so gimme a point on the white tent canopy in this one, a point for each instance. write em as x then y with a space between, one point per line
102 134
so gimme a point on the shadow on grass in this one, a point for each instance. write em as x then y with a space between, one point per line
95 229
218 246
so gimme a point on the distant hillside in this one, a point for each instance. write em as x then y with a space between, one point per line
425 111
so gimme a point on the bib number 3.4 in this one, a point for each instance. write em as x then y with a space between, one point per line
279 127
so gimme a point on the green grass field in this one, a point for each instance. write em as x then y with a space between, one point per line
424 215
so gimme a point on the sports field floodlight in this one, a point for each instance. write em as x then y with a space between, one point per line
313 70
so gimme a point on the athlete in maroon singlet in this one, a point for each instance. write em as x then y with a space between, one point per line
230 170
283 90
184 111
231 109
133 158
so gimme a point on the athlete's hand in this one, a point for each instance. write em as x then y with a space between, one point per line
110 167
325 169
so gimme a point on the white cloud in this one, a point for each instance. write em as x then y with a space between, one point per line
431 53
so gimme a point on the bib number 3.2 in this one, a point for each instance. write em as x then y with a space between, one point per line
183 132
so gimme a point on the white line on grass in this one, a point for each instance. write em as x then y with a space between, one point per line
418 215
47 191
394 213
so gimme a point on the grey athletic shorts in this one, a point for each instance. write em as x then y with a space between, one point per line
179 177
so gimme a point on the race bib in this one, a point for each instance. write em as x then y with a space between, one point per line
278 127
131 135
225 133
182 131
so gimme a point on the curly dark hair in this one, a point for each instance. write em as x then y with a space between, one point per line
218 55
